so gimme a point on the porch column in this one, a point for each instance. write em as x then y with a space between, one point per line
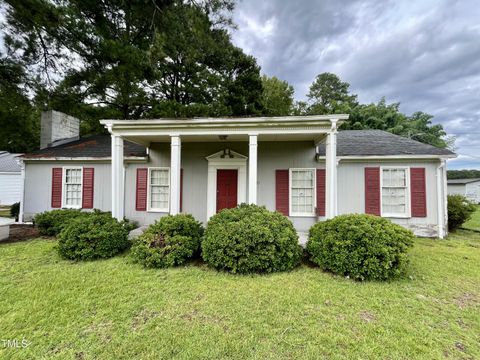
175 158
117 178
252 169
331 171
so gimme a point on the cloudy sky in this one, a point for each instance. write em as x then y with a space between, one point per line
422 53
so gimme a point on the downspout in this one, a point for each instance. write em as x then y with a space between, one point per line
440 200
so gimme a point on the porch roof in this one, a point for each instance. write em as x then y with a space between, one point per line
286 128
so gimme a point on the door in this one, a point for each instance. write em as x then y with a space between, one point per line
226 189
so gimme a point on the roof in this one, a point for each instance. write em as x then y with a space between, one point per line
349 143
380 143
461 181
96 146
8 162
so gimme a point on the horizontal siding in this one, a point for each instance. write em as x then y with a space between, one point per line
10 188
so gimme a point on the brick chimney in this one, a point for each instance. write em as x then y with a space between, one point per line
58 128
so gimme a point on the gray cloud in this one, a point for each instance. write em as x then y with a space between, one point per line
424 54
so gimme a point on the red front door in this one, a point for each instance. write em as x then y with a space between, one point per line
226 189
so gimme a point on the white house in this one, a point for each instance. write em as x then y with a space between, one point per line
299 165
470 188
10 178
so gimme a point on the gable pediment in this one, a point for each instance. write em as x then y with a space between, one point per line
226 154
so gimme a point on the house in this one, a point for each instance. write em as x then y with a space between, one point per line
11 180
299 165
470 188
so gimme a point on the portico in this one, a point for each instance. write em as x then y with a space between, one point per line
267 131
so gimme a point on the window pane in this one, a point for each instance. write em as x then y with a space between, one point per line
394 191
159 189
302 191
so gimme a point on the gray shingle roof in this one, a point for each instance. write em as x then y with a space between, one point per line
97 146
8 162
461 181
380 143
349 143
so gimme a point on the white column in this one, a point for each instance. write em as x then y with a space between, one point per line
440 216
117 178
175 156
331 172
22 199
252 169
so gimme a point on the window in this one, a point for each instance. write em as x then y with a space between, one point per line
72 187
302 192
395 192
159 189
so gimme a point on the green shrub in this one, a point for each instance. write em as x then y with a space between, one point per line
50 223
363 247
459 211
250 239
15 210
172 240
94 236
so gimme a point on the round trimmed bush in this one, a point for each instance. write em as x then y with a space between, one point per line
460 209
250 239
363 247
173 240
94 236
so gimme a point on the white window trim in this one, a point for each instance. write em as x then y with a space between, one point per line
408 211
299 214
149 208
64 190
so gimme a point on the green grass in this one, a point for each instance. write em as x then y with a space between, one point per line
113 309
474 222
5 211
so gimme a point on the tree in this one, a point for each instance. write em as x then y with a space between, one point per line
19 121
463 174
277 96
134 59
329 95
388 117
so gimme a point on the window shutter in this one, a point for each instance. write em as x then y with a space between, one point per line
56 187
372 191
141 192
87 191
320 192
282 192
181 190
418 192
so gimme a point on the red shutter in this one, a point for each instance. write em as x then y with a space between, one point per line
56 187
141 192
418 192
372 191
281 192
321 192
181 190
88 180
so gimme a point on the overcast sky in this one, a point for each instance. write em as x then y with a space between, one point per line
424 54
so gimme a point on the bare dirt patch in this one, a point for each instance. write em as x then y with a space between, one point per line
21 232
466 300
367 316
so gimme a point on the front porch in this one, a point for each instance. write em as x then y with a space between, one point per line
230 151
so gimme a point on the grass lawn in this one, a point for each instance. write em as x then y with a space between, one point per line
4 211
116 310
474 222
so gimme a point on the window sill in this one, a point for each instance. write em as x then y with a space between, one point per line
302 215
158 210
396 216
71 207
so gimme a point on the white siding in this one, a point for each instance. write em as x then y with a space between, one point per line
38 186
472 191
10 188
